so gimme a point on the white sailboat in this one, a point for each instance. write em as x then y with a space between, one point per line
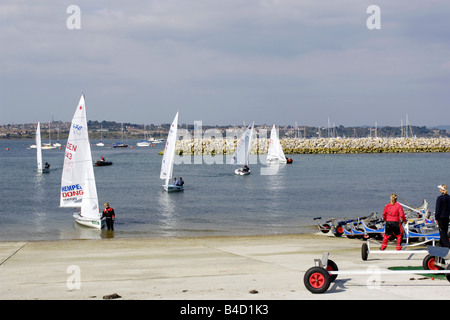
275 153
145 142
242 153
168 158
100 144
78 189
40 167
48 146
57 144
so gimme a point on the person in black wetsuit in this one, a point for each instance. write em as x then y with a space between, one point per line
110 216
442 214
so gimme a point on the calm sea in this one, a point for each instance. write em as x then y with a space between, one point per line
215 200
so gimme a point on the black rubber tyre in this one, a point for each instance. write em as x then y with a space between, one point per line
325 228
429 263
447 275
332 266
317 280
339 231
364 251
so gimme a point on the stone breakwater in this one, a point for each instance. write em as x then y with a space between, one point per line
318 145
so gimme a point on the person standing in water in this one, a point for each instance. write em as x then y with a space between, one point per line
110 216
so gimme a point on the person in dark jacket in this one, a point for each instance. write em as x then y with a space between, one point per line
442 214
110 216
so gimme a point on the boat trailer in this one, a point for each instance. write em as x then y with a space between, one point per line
318 278
366 249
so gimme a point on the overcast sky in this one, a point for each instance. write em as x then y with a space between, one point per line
227 61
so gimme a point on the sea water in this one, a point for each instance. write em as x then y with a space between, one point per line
280 199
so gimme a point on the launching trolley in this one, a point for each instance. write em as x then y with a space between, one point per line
318 278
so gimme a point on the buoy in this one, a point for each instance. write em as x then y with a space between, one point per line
7 148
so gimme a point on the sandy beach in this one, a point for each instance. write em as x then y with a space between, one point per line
207 268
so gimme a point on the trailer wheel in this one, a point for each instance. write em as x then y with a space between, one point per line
325 228
332 266
429 263
339 231
317 280
364 251
447 275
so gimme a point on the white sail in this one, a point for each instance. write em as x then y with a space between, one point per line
242 153
275 152
169 153
38 148
89 203
78 165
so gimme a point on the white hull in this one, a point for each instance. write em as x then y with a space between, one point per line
241 172
47 147
143 144
87 222
172 188
100 144
276 160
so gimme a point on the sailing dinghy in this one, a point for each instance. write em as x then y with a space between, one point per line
78 189
40 168
242 153
168 158
275 153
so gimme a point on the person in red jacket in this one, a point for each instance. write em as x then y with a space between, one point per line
393 215
110 216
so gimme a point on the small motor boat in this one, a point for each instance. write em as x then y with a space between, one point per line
103 163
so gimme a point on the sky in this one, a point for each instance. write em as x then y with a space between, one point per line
227 61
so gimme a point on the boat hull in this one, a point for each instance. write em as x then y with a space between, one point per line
87 222
172 188
103 163
241 172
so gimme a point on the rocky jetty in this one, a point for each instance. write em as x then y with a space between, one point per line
318 145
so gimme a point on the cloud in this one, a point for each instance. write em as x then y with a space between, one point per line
225 61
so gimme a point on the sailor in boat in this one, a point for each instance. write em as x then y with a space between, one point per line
441 215
102 159
47 166
245 168
393 215
110 216
180 182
